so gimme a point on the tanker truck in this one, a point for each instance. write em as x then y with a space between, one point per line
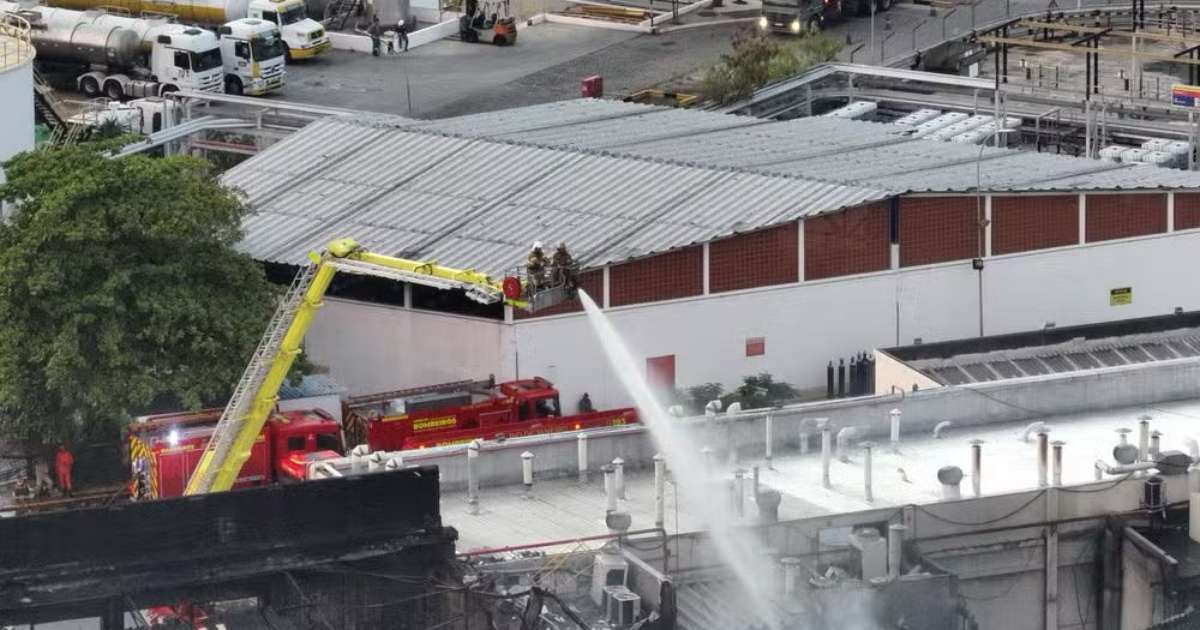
109 56
303 37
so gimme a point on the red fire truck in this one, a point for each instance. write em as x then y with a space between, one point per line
165 448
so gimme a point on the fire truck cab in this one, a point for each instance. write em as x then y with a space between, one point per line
164 449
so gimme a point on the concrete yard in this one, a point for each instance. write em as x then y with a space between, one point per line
561 509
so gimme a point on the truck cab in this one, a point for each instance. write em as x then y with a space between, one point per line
303 37
302 438
252 55
798 16
186 60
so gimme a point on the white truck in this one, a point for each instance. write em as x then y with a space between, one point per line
252 54
303 37
122 57
142 116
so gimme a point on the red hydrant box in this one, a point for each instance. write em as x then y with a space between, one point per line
592 87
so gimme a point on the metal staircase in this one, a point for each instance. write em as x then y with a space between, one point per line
244 393
50 107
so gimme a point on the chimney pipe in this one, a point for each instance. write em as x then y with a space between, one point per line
826 447
769 429
867 491
473 477
1056 479
610 489
619 478
1144 438
895 549
739 492
660 473
1155 444
894 415
843 437
1043 454
977 467
950 477
940 428
527 473
803 441
754 483
791 575
583 458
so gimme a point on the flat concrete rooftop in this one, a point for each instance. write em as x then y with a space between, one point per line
562 509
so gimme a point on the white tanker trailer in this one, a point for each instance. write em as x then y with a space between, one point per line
111 57
302 36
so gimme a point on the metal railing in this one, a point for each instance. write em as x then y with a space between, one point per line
15 45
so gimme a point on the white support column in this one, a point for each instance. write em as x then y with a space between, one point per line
605 281
1170 212
705 265
894 256
1082 218
508 314
987 226
800 250
407 295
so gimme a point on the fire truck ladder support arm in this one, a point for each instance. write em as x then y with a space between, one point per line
257 391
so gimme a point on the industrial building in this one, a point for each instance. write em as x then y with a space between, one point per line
721 245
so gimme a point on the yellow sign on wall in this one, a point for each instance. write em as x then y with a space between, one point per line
1120 296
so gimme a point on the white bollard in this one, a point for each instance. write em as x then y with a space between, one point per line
894 415
527 473
660 482
473 477
769 429
619 471
583 458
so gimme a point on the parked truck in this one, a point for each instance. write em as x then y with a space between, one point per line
302 36
164 449
120 57
252 55
805 16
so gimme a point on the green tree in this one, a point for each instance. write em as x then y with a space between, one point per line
758 59
119 290
761 390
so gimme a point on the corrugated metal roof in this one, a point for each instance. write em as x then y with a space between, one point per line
481 203
850 152
614 180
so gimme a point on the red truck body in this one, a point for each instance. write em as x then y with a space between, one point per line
165 448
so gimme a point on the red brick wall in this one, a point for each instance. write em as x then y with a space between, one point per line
938 229
1021 224
662 277
756 259
853 241
590 281
1187 211
1122 216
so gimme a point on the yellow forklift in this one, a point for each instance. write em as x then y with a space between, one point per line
487 22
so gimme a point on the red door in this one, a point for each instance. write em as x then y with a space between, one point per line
660 372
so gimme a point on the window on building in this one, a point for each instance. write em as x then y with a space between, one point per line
756 346
660 372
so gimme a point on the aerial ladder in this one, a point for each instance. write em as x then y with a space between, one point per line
546 282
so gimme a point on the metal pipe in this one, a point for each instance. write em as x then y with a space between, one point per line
527 472
803 442
977 467
1155 444
660 473
1120 469
1144 438
826 454
1056 479
739 492
870 496
619 478
843 436
769 429
940 427
707 454
895 549
1043 454
473 477
610 489
583 458
754 484
1031 429
894 415
791 574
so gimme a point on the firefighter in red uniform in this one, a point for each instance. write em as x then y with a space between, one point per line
63 461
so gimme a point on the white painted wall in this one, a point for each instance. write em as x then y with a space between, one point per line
806 325
372 348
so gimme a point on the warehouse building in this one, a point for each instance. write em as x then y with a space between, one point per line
722 246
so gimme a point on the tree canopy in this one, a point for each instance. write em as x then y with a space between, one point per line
120 290
758 59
